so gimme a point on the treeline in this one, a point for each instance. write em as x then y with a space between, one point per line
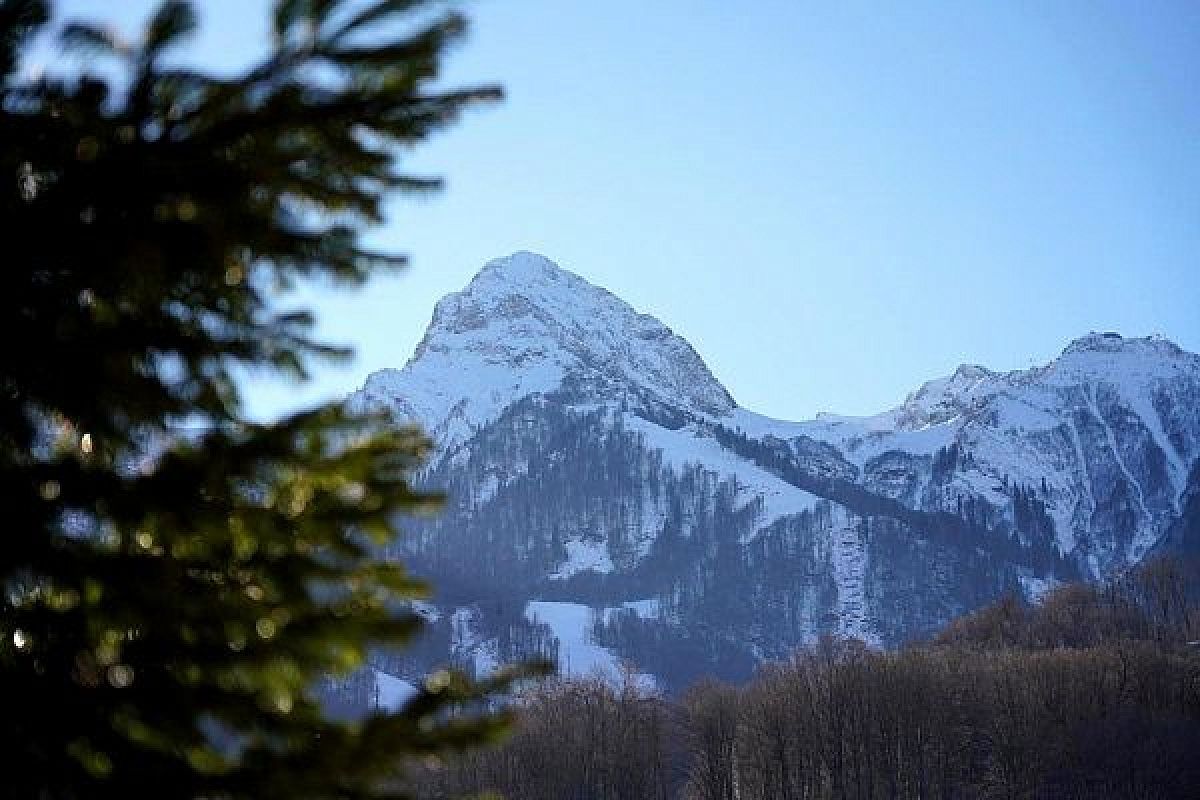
1094 692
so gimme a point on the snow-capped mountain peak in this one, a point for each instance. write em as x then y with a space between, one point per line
1110 342
525 326
590 457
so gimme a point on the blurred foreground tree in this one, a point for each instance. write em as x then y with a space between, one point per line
170 598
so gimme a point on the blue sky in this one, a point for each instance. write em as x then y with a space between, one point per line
832 202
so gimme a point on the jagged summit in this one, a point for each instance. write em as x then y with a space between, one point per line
1112 342
525 326
942 398
1133 364
523 271
522 285
1147 361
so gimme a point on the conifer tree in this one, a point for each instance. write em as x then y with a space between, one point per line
176 577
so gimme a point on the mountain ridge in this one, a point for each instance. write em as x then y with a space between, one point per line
505 279
592 458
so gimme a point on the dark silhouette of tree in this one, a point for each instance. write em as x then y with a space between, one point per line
175 577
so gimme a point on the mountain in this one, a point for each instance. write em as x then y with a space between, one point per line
609 501
1183 537
524 326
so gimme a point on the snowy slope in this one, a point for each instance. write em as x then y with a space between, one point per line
1111 421
524 326
579 655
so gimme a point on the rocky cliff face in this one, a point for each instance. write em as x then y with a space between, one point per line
608 500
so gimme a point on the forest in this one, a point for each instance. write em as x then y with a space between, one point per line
1092 692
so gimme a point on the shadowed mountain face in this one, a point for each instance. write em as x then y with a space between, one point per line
609 501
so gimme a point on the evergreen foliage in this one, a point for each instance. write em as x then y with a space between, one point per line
175 577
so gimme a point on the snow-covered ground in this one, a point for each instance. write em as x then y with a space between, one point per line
391 692
578 654
584 555
848 555
466 640
685 447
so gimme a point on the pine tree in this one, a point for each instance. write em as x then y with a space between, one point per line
177 577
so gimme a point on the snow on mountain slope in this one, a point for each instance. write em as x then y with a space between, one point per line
524 326
1111 416
686 446
849 565
391 693
1138 370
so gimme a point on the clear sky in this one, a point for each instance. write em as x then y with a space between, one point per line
833 202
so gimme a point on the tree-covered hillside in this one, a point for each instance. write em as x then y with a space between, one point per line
1092 692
